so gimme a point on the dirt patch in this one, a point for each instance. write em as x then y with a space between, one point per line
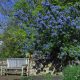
10 77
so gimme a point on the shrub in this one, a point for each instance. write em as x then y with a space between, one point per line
72 73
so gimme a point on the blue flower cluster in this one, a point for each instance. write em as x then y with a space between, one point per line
21 15
51 21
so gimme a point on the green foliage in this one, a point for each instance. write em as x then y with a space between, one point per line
30 39
77 5
13 39
1 35
21 4
64 3
18 41
72 50
36 10
72 73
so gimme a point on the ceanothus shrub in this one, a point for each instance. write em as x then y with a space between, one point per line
57 28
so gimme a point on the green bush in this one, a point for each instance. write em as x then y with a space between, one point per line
72 73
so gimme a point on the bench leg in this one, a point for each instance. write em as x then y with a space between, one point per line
22 72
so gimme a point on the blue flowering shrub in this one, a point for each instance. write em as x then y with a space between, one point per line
54 25
58 29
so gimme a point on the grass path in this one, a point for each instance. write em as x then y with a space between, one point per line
18 78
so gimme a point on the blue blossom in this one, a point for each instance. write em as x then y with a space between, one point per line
55 7
60 26
41 22
46 46
31 25
67 11
50 26
72 9
40 15
51 22
48 13
46 3
19 13
47 27
62 17
53 34
73 23
68 21
60 21
43 3
46 17
78 27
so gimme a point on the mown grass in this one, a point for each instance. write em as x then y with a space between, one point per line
40 77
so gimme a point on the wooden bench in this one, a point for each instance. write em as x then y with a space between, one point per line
15 66
18 70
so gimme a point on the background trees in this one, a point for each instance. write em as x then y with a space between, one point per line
18 41
13 39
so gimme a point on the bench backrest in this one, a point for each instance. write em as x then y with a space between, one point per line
17 62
